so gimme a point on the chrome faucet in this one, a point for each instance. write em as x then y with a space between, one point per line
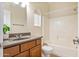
18 36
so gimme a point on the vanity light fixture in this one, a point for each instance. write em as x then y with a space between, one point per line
16 2
22 4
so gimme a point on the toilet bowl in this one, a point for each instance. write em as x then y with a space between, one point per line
47 50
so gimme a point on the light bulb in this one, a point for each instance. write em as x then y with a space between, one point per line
27 3
16 2
23 5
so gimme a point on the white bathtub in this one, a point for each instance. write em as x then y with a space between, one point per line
63 51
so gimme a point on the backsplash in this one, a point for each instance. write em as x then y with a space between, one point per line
22 34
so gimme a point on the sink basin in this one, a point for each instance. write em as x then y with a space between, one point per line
20 39
16 39
7 41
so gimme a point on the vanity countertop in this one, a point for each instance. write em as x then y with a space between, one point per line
9 43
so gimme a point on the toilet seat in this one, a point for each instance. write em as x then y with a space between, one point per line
47 48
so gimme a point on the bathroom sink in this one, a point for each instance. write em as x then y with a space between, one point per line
7 41
14 39
20 39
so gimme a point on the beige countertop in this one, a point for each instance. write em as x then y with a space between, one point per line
9 43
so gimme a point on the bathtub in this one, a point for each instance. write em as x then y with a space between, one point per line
63 51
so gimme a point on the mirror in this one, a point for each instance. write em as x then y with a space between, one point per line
15 16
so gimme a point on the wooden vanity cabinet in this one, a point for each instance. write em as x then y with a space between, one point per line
38 42
9 52
23 54
28 45
36 51
27 49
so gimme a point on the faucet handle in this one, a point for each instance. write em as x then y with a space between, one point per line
17 36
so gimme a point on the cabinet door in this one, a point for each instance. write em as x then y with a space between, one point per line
38 41
9 52
36 51
27 45
23 54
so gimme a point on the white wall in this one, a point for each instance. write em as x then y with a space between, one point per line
1 29
45 28
39 8
30 22
78 28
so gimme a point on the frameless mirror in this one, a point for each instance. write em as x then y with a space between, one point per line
15 16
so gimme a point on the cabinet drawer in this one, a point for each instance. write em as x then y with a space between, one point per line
38 41
8 52
27 45
23 54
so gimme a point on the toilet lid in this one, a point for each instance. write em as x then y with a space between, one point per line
47 48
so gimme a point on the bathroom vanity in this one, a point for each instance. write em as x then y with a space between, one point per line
27 47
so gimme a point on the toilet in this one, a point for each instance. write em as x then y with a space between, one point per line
47 50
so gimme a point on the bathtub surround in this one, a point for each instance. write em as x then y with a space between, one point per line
62 28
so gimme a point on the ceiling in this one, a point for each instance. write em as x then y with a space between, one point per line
61 5
48 7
